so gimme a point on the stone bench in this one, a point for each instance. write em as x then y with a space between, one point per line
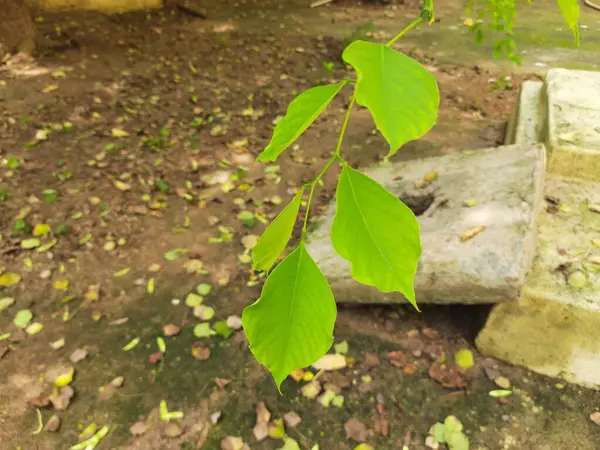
489 268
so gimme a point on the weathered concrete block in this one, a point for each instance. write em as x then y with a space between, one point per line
554 329
528 122
503 187
574 123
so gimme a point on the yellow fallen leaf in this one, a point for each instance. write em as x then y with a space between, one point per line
119 133
50 88
121 185
61 285
430 176
65 378
471 233
93 293
122 272
464 358
9 279
41 229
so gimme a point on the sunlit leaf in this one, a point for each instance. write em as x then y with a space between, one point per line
277 235
570 11
31 243
131 345
23 318
34 328
464 358
6 302
401 94
301 113
376 233
203 289
291 325
203 330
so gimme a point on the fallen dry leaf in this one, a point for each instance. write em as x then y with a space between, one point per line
292 419
172 430
448 375
155 357
200 352
356 430
138 428
222 382
381 426
397 358
232 443
372 360
471 233
171 330
330 362
260 431
53 424
78 355
595 417
62 399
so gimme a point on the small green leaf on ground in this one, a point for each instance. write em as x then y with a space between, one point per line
500 393
222 329
150 286
401 94
362 233
300 115
204 289
23 318
289 444
174 254
122 272
65 377
464 358
203 330
166 415
6 302
298 291
193 300
277 235
247 218
131 345
162 346
49 196
30 244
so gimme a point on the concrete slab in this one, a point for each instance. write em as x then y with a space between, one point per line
554 329
574 123
528 123
499 189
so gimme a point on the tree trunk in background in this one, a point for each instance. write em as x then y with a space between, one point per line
17 28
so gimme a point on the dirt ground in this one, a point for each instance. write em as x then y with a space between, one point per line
133 138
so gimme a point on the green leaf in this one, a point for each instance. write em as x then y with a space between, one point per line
570 11
23 318
277 235
300 115
6 302
174 254
131 345
204 289
203 330
222 329
401 94
291 325
31 243
377 234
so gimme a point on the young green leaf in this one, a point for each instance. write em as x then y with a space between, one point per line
401 94
277 235
570 11
377 234
300 115
291 325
